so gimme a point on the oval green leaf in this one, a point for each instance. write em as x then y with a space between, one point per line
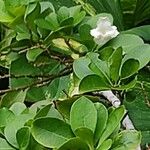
51 132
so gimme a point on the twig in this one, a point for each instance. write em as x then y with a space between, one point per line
71 48
64 72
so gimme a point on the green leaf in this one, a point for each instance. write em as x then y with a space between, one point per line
4 15
81 67
17 108
99 67
86 135
32 15
46 5
127 85
80 117
115 63
140 53
42 23
57 4
54 113
93 83
129 68
86 38
112 7
52 21
113 121
74 143
63 14
67 22
6 117
23 138
105 53
79 17
137 104
102 117
32 54
43 112
106 145
142 31
12 128
4 145
21 67
127 140
142 11
51 132
57 86
12 97
64 106
126 41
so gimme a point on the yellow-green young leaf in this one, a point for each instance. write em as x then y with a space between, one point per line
32 54
83 115
127 140
51 132
106 145
23 138
113 121
4 15
129 68
102 116
74 143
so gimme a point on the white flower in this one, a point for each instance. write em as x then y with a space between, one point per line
104 31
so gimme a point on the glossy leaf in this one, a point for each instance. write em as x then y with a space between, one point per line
106 145
115 64
113 121
126 41
80 117
142 31
43 112
129 68
51 132
93 83
102 117
23 137
74 143
11 129
15 96
140 53
32 54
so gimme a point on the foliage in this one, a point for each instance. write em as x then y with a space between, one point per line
87 128
56 70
